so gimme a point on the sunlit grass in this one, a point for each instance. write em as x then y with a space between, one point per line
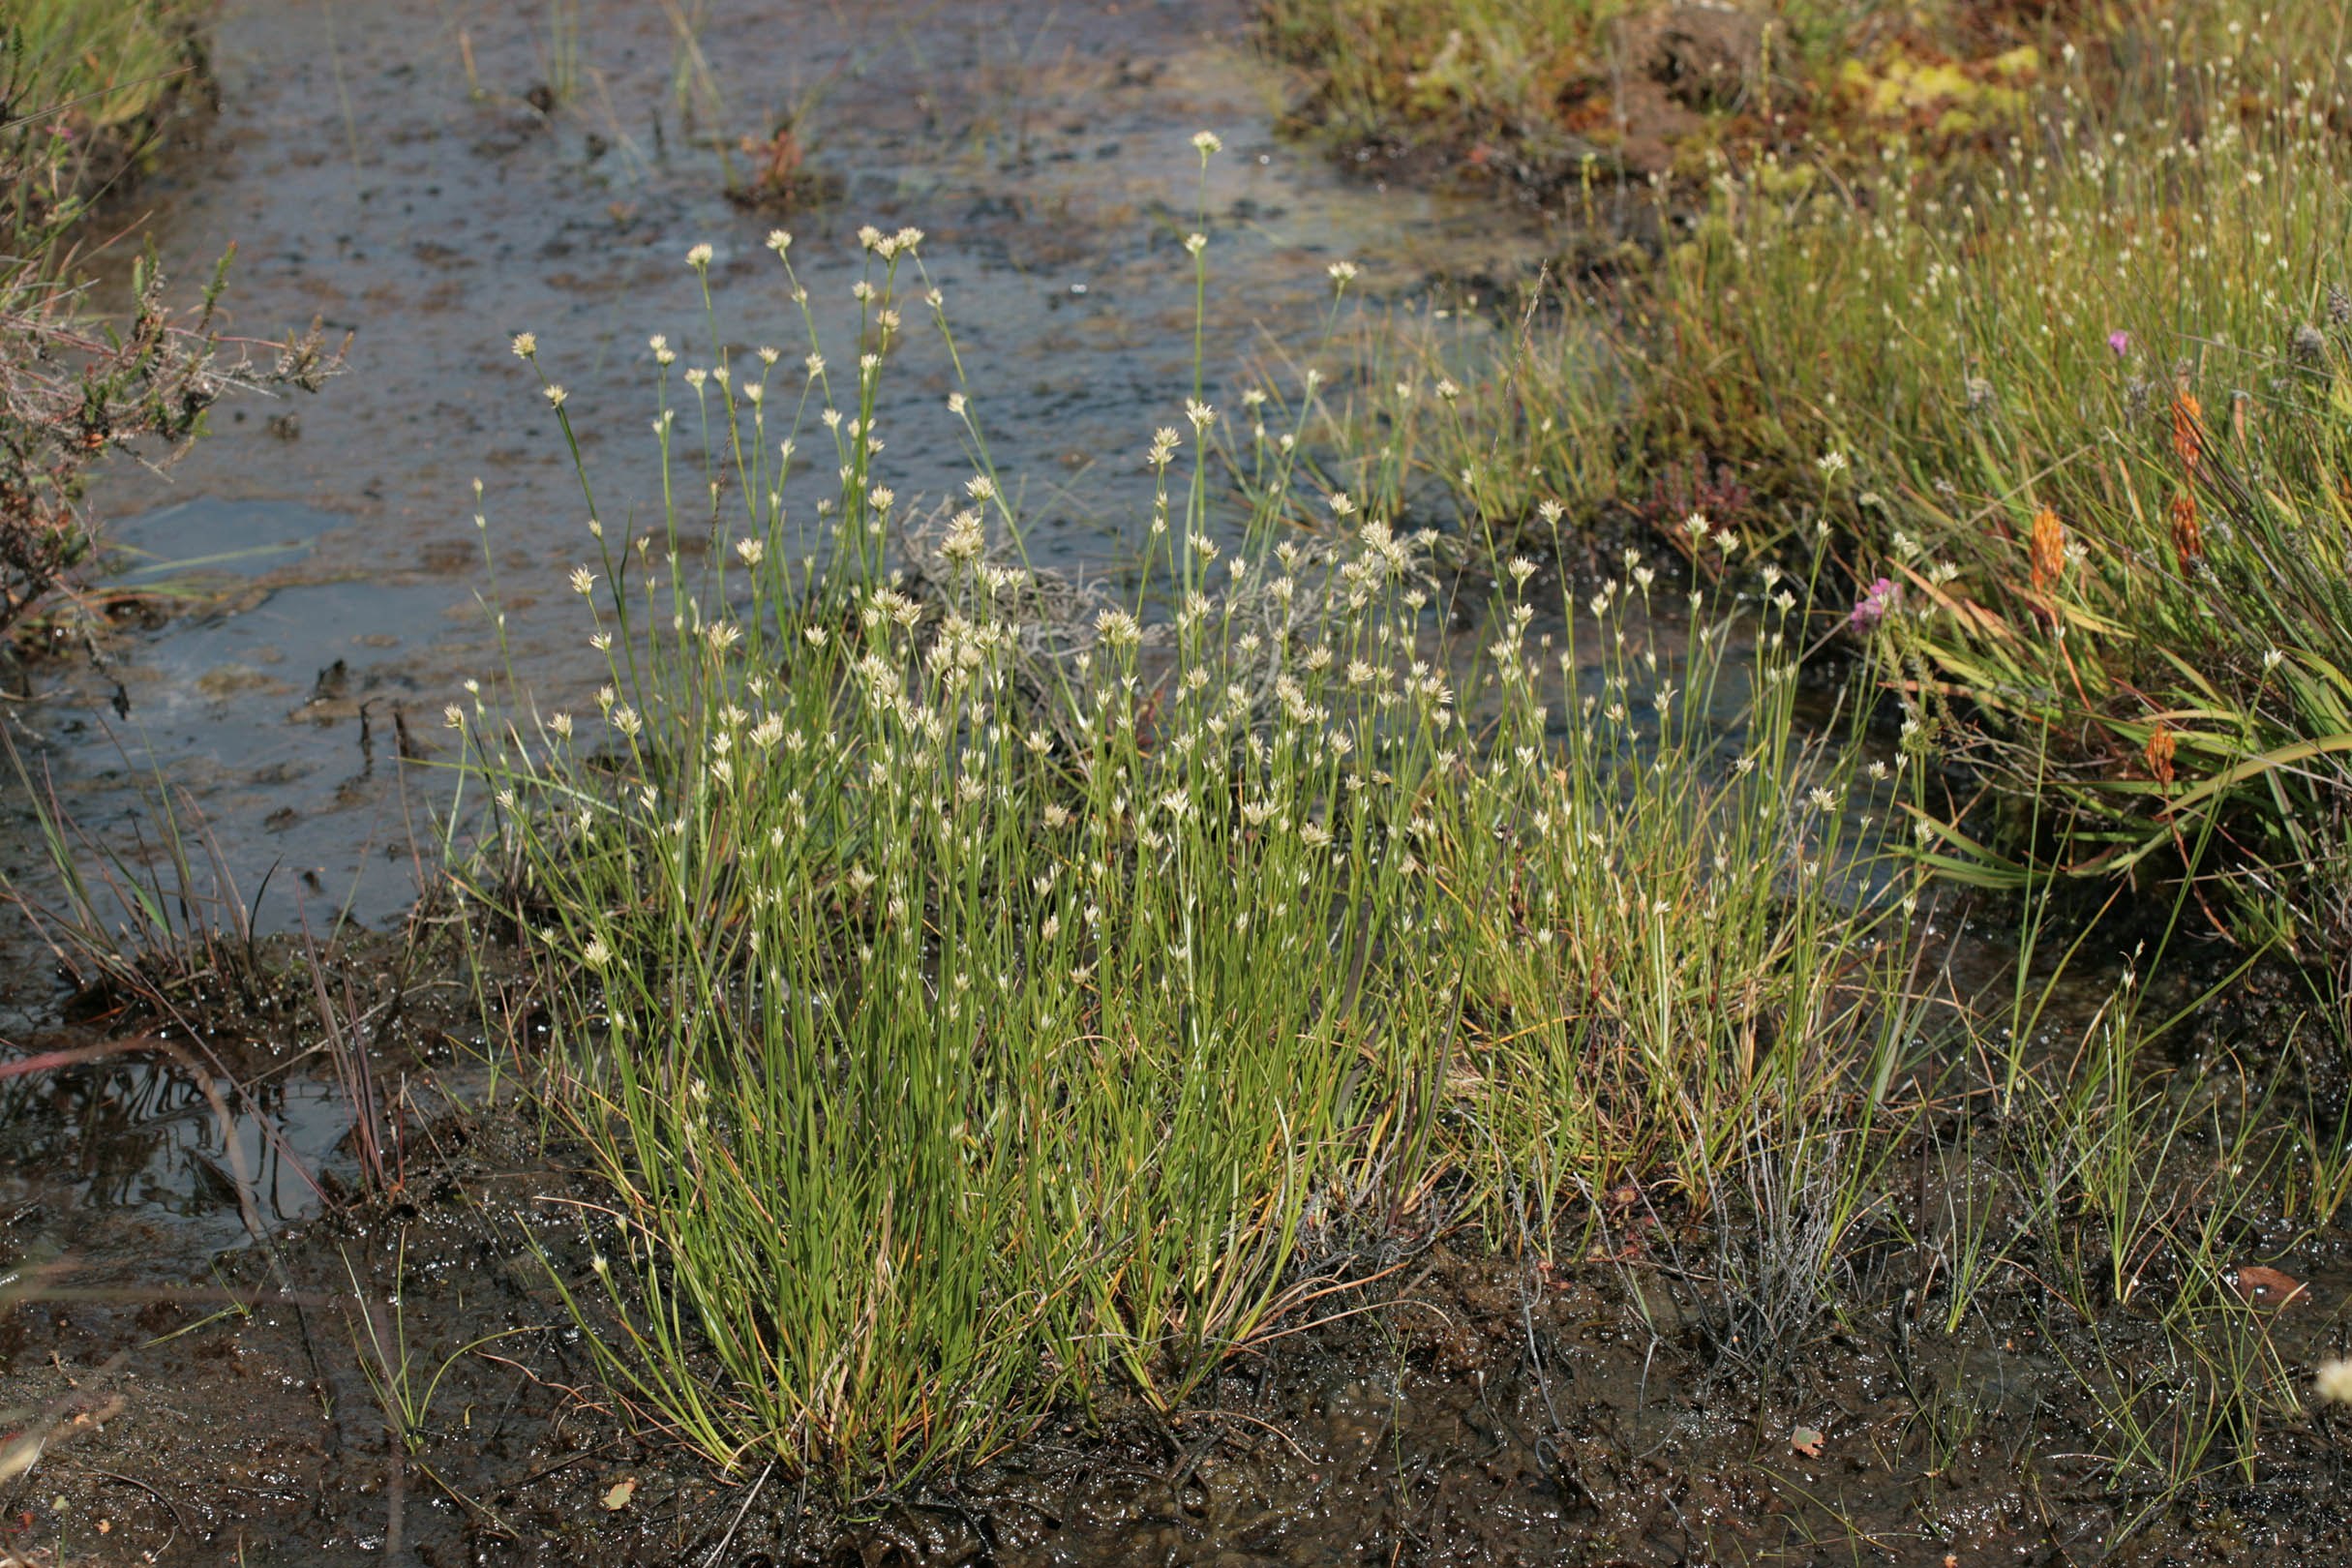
2080 394
980 994
79 82
984 996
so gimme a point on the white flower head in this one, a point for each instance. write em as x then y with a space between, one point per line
1117 628
965 539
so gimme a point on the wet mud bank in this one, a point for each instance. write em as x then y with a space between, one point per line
400 1374
240 1332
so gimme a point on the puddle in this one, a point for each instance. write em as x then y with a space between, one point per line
206 545
116 1170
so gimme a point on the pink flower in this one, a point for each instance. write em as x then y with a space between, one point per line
1872 607
2121 341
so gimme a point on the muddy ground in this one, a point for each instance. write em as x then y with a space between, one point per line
208 1396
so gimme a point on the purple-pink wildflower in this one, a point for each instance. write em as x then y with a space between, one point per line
1872 607
2121 341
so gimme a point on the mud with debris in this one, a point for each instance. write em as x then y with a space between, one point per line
237 1332
1618 1406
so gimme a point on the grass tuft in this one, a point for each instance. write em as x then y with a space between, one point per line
981 996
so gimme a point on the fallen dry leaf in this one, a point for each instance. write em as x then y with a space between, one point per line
617 1496
2266 1288
1807 1440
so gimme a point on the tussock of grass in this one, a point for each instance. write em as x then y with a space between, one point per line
973 1011
2078 397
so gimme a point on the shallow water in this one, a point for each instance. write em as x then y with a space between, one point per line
1046 150
132 1166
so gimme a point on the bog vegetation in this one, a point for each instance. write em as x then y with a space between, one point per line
977 989
85 90
1524 788
985 992
2073 383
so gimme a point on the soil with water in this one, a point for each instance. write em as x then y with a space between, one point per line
384 167
201 1359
